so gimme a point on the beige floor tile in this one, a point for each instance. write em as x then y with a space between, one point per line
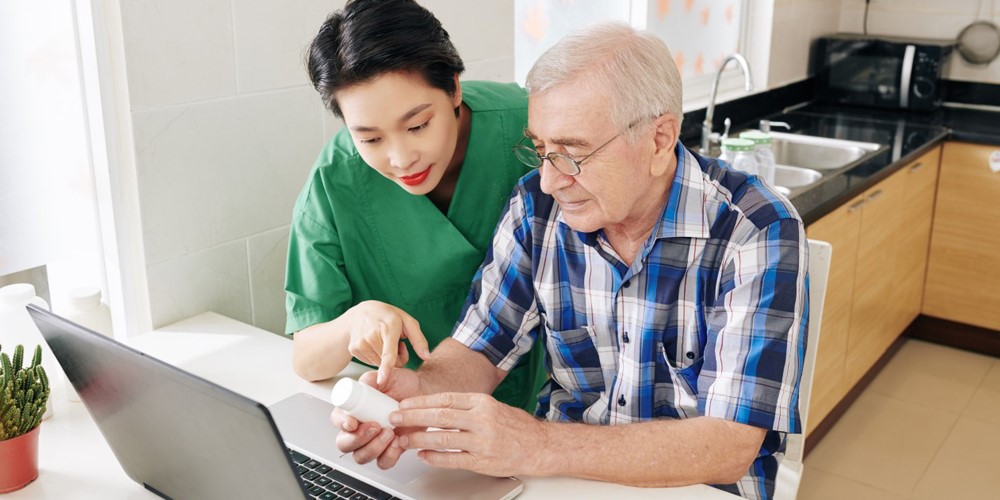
821 485
883 442
932 374
985 403
967 466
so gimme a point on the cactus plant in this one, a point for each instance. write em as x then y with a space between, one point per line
24 392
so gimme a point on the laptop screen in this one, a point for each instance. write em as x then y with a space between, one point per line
177 434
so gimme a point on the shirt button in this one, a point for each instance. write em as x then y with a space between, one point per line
621 400
627 283
690 355
625 337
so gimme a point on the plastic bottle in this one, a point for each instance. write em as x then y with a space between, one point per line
84 307
739 154
17 327
363 402
763 153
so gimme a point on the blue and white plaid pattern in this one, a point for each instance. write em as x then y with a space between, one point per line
710 318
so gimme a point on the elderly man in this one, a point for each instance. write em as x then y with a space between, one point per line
668 289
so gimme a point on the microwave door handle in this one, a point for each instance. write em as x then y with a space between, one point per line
904 84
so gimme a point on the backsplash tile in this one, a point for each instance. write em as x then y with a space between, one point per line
272 39
267 253
216 171
215 279
178 51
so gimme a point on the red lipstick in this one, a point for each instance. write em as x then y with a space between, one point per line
415 179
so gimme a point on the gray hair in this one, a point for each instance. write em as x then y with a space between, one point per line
634 69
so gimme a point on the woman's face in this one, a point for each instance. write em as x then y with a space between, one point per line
403 128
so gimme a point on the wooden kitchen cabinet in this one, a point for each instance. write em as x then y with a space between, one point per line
963 281
880 240
840 228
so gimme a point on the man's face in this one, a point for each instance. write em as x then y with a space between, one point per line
403 128
567 120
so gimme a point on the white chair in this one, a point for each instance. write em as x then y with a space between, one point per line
790 469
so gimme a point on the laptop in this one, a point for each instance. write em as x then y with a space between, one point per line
183 437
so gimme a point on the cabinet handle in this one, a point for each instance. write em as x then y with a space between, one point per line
856 206
874 196
916 167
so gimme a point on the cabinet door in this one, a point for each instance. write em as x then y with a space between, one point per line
840 228
918 213
963 278
876 302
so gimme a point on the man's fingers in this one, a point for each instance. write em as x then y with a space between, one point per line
411 329
440 440
388 358
374 448
442 418
391 455
402 356
456 400
447 459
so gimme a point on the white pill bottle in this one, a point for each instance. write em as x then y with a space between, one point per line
363 402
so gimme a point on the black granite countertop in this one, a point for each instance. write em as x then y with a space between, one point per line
907 135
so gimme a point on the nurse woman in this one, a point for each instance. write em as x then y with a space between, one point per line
400 207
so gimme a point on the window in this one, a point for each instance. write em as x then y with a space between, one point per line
699 33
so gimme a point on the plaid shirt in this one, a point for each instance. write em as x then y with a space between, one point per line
710 318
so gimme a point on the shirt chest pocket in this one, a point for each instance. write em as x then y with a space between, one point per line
684 344
576 361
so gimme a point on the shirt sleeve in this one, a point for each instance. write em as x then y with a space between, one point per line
757 331
316 285
500 315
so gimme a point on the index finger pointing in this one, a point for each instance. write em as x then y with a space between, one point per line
388 353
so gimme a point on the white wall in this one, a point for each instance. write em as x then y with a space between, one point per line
795 25
926 19
226 129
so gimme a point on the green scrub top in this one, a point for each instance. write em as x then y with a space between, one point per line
357 236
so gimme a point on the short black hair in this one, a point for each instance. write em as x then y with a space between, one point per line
368 38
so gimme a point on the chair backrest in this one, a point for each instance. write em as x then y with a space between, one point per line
790 469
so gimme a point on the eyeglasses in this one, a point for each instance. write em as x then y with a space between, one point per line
563 163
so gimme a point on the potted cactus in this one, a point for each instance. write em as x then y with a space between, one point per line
24 392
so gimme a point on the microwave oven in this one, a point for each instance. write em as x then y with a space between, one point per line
880 72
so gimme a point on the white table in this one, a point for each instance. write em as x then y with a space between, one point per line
75 461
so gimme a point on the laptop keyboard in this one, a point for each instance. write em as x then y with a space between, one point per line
326 483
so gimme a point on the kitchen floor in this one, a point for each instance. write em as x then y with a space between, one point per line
927 427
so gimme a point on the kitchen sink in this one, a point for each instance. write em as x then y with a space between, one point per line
795 177
818 153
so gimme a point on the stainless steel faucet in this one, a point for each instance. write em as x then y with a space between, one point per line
707 135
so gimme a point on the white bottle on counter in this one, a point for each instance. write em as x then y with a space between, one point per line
762 153
363 402
83 306
739 154
17 327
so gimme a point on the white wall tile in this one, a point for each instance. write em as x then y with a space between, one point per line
208 280
480 30
500 69
267 253
178 51
216 171
272 40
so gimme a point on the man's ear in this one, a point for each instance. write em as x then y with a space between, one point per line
664 141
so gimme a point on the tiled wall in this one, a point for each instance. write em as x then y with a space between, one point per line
226 130
926 19
796 23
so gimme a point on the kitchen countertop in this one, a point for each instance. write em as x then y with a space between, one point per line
907 135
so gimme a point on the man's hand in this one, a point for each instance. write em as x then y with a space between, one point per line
367 440
377 330
492 438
